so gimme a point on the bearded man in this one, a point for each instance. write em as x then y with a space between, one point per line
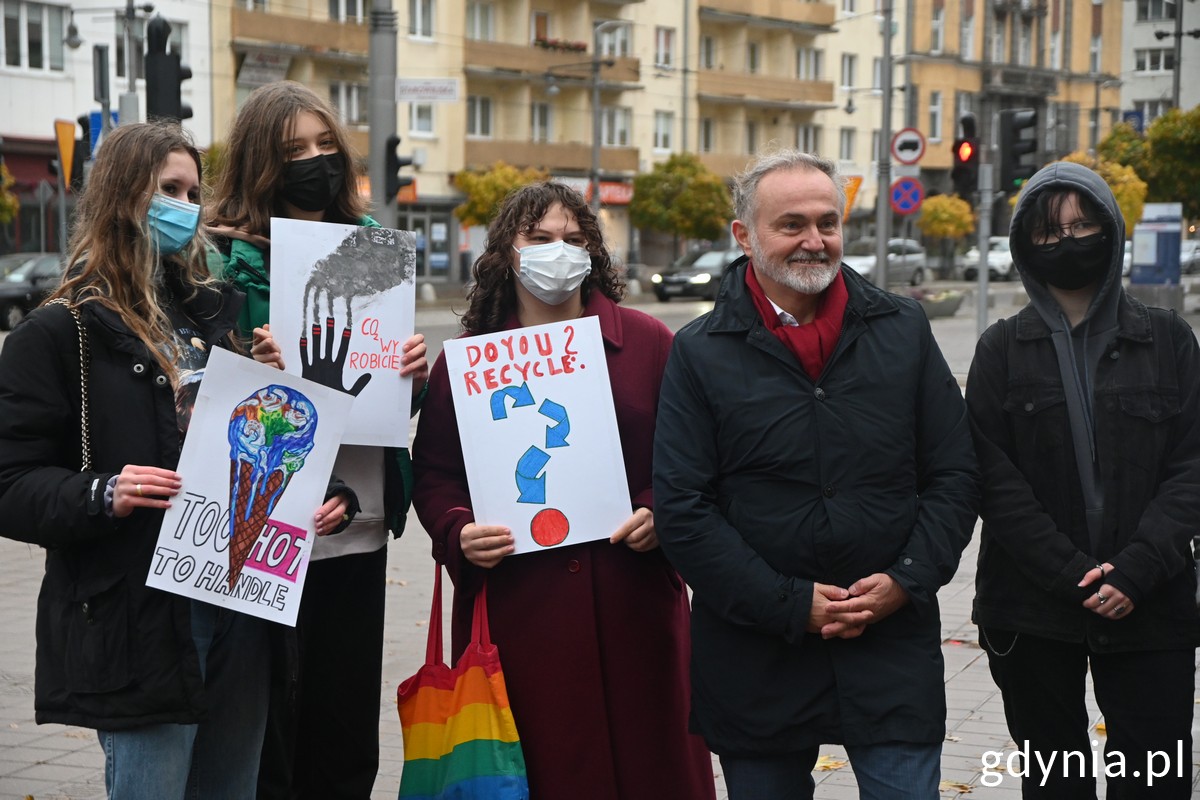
815 484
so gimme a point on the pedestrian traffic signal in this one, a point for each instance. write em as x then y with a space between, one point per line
393 163
965 173
1018 147
165 75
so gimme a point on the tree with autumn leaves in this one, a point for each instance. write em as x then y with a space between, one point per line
10 204
946 218
1167 158
681 197
485 190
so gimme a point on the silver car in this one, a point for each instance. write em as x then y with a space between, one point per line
905 260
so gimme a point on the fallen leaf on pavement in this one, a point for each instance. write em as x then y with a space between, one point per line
829 763
952 786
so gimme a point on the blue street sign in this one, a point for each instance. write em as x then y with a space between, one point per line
906 195
94 127
1136 119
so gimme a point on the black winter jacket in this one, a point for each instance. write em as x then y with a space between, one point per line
766 482
112 654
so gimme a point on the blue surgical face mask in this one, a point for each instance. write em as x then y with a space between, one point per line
172 223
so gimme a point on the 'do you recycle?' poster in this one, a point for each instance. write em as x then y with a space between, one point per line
539 433
255 465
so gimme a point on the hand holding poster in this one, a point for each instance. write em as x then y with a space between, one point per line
539 433
255 465
343 302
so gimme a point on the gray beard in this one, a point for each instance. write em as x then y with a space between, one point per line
806 278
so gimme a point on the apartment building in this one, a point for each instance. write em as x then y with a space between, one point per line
1159 37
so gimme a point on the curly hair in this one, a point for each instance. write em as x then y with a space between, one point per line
112 258
492 296
247 191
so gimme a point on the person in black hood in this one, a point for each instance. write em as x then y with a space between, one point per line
1085 409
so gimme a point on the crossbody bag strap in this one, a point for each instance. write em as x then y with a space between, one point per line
85 361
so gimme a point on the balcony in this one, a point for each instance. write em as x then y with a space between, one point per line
552 156
300 34
528 61
796 14
715 86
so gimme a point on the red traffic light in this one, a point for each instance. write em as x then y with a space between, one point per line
965 151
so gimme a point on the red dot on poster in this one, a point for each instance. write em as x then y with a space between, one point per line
549 527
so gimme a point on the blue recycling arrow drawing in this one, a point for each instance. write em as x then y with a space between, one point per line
531 484
556 435
521 397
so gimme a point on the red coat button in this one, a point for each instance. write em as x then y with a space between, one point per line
573 565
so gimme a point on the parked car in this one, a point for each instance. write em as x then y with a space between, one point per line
27 285
905 260
11 261
1189 256
999 261
696 274
1127 261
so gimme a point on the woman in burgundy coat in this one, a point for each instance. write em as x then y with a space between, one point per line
593 637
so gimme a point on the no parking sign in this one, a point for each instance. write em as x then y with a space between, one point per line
906 195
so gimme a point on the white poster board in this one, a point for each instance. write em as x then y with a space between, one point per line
539 433
255 466
343 302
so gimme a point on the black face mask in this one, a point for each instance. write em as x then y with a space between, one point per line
1070 263
311 184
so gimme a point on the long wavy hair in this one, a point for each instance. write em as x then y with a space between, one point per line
248 190
112 259
492 296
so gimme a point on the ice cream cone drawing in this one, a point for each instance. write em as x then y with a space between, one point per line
270 433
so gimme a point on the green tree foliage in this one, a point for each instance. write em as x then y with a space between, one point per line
9 203
485 190
682 197
1167 158
1127 187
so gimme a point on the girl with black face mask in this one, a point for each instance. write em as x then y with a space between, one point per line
289 156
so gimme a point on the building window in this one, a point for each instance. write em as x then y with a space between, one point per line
420 120
539 25
935 116
1094 55
420 18
346 10
614 126
708 52
1154 60
1152 109
138 34
846 144
848 6
848 64
255 5
479 116
481 21
351 100
1152 10
664 123
875 145
664 47
753 57
708 135
937 31
751 137
808 63
1056 50
808 138
877 74
967 45
1025 44
33 35
998 54
614 41
540 129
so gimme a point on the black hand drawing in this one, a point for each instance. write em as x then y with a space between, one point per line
326 369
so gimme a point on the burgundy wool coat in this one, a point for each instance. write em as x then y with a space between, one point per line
594 637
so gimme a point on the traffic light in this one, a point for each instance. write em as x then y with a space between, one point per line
1018 147
393 163
965 174
164 75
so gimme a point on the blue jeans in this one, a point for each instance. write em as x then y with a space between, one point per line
213 760
890 771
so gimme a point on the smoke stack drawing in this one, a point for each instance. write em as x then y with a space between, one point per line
270 433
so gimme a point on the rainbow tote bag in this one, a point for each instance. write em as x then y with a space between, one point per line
460 740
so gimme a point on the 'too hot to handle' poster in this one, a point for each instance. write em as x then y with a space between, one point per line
255 465
343 302
539 433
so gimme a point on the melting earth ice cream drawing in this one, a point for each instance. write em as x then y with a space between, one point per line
270 433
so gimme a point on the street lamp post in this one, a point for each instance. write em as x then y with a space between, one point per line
1178 33
884 156
597 63
1100 84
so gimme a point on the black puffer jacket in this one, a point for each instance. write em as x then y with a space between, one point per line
111 653
1144 387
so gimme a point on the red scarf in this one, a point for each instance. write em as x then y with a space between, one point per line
812 344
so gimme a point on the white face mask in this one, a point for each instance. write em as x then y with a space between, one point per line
553 271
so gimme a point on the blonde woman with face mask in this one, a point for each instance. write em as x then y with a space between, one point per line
594 636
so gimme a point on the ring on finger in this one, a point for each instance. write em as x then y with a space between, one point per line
139 490
1119 610
1103 599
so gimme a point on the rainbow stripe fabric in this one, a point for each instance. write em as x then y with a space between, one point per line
460 740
